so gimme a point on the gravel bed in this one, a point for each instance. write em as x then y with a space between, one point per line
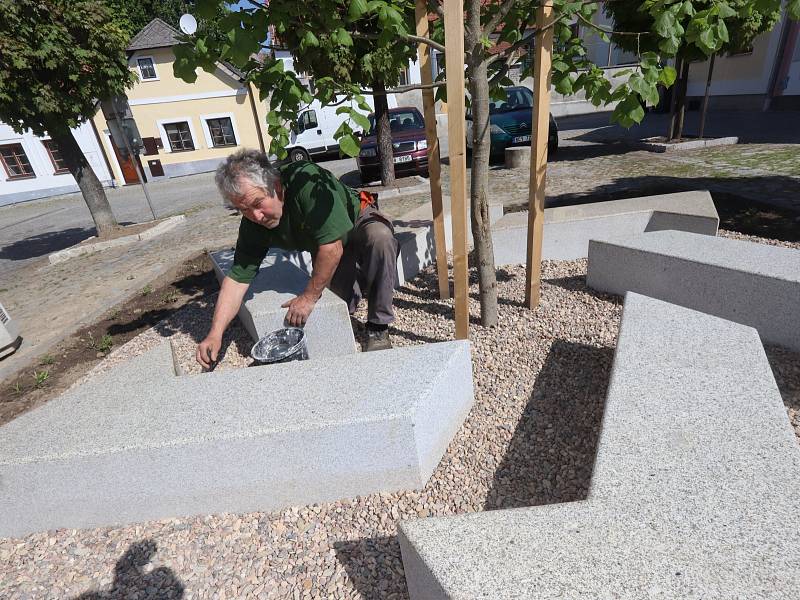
541 378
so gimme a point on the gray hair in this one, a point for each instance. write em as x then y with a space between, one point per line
248 164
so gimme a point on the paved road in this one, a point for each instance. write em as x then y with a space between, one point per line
32 230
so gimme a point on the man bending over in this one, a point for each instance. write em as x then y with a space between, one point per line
301 206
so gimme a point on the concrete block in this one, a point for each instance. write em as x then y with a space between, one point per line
141 443
415 233
283 276
695 491
163 227
752 284
568 229
518 158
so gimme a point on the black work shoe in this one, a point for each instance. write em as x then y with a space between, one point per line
378 340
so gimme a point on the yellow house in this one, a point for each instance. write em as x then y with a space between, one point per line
186 128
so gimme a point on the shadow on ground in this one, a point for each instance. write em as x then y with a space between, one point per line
133 579
551 455
374 566
45 243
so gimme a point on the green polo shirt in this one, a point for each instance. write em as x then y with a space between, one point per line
317 209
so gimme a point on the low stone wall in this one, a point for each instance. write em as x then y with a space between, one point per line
752 284
283 276
140 443
695 490
568 229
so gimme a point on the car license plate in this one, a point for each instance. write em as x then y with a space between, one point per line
521 138
399 159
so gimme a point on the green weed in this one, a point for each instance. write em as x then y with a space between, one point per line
47 359
146 290
39 377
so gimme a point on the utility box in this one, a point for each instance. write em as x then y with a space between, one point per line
9 333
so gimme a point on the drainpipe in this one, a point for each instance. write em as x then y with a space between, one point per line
783 60
260 134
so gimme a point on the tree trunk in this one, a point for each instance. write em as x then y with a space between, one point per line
479 180
384 133
705 98
91 188
681 106
673 102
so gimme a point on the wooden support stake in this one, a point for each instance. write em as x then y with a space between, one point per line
454 60
434 166
543 50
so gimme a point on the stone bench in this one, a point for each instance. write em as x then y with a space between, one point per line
414 231
695 491
752 284
141 443
568 229
283 276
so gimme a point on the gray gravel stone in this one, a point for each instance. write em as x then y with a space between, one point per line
540 379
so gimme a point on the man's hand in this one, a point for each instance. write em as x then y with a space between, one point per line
207 351
300 308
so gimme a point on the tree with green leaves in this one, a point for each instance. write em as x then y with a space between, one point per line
495 33
57 59
345 47
692 30
133 15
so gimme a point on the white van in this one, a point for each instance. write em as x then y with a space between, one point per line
316 124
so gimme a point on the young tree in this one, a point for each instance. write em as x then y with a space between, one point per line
347 49
689 31
57 59
495 32
133 15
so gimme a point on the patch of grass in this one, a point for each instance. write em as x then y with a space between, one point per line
18 389
47 359
146 290
115 315
40 377
170 296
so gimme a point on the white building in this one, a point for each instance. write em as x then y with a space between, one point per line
31 167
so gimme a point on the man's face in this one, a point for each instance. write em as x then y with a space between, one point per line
259 206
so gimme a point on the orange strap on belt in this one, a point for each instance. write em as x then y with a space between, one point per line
366 198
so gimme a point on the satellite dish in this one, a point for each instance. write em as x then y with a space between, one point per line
188 24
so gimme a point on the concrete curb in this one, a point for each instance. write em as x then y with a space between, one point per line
652 145
420 188
148 234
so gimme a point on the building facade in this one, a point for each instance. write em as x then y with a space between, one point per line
31 167
186 128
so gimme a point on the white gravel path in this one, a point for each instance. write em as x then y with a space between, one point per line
540 377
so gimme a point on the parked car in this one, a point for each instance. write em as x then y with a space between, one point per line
511 121
409 146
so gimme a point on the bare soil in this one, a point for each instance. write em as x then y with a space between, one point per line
53 373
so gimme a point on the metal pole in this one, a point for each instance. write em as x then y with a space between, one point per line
136 166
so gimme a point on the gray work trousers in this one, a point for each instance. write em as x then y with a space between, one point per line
368 267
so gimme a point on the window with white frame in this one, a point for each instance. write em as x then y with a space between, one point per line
147 68
221 132
179 135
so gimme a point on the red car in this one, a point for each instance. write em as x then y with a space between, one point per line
409 146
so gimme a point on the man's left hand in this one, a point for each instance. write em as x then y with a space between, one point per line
299 310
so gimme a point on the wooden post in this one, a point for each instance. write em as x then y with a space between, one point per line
454 60
434 166
543 50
